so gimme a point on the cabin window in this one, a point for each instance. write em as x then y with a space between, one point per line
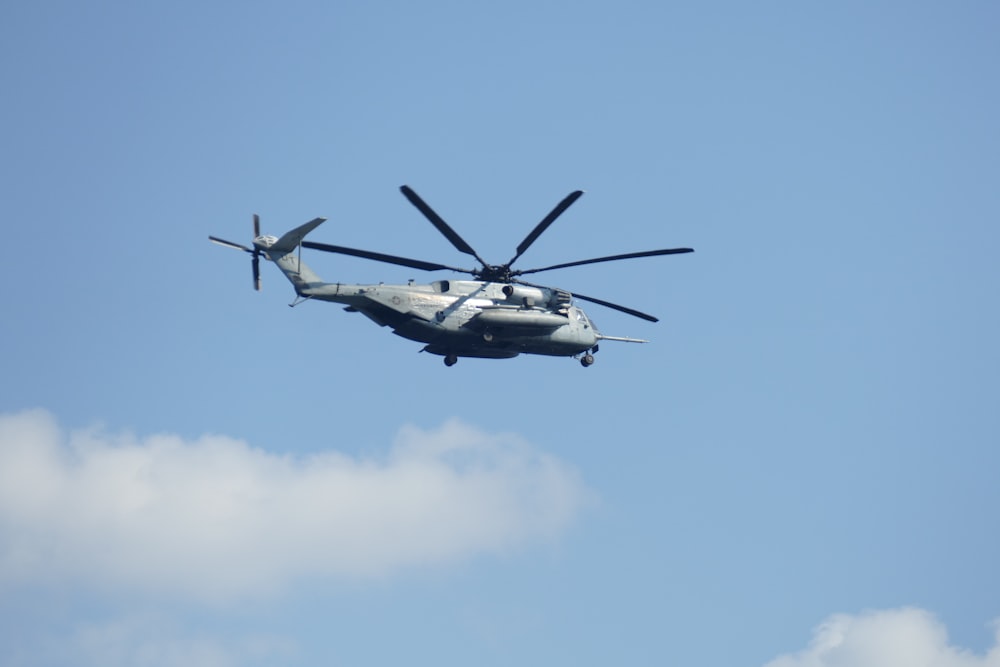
442 286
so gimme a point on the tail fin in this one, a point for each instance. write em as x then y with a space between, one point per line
292 239
282 253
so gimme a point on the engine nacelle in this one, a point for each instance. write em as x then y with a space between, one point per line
526 296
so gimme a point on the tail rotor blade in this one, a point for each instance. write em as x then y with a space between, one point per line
254 252
230 244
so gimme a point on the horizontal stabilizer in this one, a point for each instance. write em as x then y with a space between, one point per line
292 239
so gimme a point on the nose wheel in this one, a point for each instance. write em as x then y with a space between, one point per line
450 360
587 360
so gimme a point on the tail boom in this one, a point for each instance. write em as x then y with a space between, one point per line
282 252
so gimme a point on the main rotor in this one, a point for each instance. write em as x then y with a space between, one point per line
500 273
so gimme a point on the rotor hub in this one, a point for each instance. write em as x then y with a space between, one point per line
495 273
265 241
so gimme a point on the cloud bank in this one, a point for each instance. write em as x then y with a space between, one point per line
905 637
216 517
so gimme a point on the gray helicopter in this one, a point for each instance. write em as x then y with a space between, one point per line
496 315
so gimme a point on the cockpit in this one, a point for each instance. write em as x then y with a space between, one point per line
580 316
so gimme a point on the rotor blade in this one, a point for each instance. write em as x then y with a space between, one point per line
230 244
544 224
610 258
381 257
439 223
256 271
256 225
608 304
615 306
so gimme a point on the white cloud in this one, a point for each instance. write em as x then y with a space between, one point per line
147 638
154 641
906 637
217 518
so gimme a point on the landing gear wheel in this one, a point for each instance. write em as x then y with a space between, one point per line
587 360
450 360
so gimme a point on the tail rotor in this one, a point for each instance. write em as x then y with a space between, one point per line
255 262
254 251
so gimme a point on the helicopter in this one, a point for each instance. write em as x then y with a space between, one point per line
495 315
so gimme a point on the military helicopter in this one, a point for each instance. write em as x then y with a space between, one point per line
496 315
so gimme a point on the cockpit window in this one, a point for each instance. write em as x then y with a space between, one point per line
581 317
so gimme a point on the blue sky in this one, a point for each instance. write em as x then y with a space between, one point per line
800 469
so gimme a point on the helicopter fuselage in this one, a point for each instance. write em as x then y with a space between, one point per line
470 318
